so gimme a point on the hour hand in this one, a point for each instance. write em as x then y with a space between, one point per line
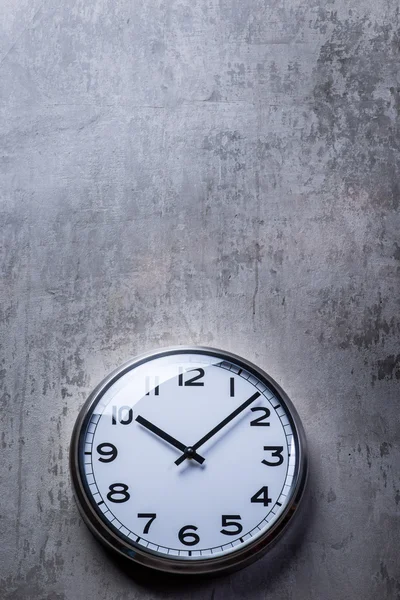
188 452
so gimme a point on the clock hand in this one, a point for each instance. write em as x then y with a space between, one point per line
188 452
219 426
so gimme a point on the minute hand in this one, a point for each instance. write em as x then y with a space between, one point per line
220 426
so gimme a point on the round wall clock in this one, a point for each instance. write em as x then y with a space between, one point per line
188 460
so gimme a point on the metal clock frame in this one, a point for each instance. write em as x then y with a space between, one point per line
148 558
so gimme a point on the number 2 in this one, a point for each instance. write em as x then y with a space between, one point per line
259 422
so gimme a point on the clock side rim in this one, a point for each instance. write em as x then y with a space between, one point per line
225 563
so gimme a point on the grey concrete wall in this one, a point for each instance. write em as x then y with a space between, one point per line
207 172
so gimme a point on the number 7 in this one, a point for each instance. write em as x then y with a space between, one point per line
150 516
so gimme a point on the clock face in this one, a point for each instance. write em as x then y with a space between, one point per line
187 457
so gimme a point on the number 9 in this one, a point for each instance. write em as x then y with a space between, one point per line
112 453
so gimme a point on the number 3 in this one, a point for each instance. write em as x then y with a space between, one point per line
276 451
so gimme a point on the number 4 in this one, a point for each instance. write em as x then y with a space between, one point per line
262 496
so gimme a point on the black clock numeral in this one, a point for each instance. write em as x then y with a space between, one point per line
152 389
188 537
112 453
276 451
123 415
150 516
262 496
193 380
229 521
118 492
232 387
259 422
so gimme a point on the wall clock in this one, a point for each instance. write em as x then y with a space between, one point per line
188 460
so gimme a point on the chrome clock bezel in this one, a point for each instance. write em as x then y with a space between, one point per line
133 552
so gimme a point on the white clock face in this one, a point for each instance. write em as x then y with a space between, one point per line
189 456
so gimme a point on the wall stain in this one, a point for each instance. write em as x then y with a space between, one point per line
388 368
350 324
343 543
392 584
331 497
351 80
112 273
385 448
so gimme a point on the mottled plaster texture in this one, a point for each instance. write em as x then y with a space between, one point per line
216 172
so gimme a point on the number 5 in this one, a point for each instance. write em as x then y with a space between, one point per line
228 522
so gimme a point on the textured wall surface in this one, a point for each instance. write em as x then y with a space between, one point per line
217 172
